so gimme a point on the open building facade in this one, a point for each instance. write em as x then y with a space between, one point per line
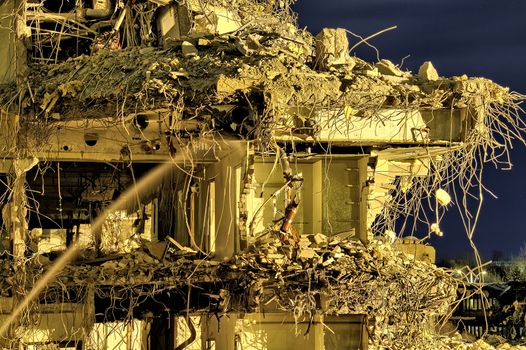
222 179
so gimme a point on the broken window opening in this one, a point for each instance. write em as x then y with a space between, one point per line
327 183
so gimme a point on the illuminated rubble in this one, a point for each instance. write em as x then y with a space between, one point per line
345 277
281 164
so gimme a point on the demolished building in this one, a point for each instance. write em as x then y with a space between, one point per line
221 179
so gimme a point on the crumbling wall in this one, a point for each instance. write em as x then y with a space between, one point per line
242 70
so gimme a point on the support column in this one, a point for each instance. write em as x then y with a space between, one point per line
16 219
14 214
89 315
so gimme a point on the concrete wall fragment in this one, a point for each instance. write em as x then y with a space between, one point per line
7 47
332 48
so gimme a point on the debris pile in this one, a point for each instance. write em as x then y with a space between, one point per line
244 68
398 293
217 72
276 82
318 276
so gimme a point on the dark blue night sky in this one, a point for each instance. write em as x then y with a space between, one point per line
474 37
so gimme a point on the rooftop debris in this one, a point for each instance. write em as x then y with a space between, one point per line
428 72
273 77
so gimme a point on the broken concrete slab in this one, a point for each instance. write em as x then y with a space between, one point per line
275 256
249 45
307 253
427 72
336 251
173 23
332 48
178 22
328 262
157 249
188 49
387 67
215 21
320 239
304 242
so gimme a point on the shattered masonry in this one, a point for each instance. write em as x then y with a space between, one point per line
282 168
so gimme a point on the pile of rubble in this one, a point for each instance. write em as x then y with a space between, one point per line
400 295
318 276
278 77
217 71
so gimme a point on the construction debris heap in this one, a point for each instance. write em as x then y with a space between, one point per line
287 166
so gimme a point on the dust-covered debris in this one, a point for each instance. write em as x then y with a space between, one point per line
326 277
428 72
243 69
332 49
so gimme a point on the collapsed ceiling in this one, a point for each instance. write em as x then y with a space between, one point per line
109 89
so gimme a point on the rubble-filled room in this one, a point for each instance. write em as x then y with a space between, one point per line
206 174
